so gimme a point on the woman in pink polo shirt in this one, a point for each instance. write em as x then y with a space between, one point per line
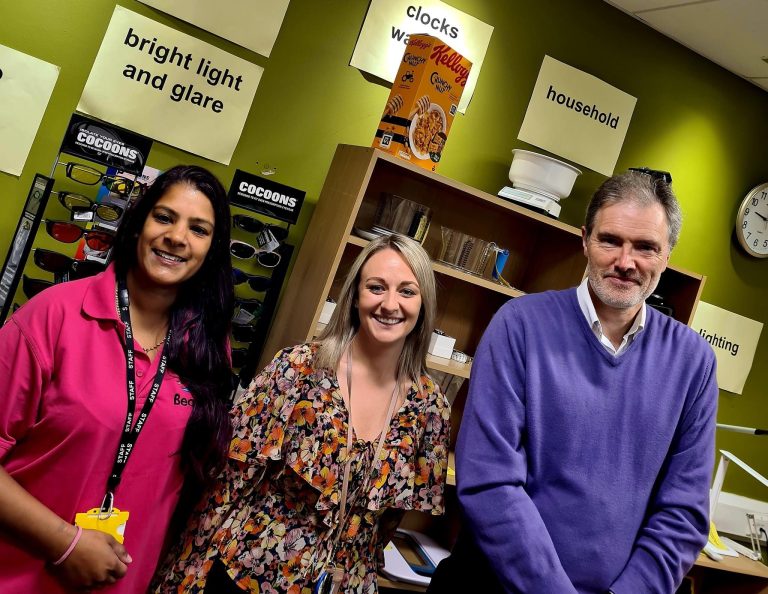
113 398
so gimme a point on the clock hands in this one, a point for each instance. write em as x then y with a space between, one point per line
761 216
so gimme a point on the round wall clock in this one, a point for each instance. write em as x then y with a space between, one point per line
752 222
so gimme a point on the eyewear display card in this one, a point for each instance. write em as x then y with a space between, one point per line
577 116
106 144
170 86
26 85
266 196
734 340
388 24
253 24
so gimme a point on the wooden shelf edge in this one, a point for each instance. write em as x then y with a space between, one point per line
394 585
449 366
455 273
469 190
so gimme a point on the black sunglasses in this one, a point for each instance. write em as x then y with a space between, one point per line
239 357
252 225
243 332
257 282
32 286
655 174
59 264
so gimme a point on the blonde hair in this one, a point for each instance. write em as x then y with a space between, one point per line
345 322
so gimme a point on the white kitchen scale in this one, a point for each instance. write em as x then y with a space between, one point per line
539 202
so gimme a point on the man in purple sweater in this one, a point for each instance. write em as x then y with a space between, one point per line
586 445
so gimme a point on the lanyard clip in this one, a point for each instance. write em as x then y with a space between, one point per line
107 505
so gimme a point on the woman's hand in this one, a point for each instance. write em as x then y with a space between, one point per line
96 561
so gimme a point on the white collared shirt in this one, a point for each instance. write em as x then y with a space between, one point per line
588 309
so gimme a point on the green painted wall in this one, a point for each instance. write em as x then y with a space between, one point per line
693 118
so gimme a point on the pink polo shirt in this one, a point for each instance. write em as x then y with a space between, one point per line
63 402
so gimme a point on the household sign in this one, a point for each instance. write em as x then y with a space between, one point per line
266 197
577 116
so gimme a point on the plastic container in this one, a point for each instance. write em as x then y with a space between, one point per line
464 252
396 214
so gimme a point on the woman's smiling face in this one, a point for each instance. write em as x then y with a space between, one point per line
176 236
388 298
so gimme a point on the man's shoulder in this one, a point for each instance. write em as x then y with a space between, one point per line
668 328
678 337
545 302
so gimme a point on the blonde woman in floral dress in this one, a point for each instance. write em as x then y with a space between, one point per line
297 510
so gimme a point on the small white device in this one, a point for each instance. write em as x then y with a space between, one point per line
412 557
545 204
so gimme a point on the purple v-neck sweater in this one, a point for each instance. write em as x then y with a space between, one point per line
579 471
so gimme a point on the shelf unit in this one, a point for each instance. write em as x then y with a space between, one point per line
544 254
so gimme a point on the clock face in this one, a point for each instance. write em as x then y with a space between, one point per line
752 222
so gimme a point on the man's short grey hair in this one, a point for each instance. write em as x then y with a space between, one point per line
640 188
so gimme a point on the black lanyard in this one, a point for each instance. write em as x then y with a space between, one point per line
130 431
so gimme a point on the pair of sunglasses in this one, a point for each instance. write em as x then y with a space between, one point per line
245 251
77 203
32 286
68 232
252 225
243 332
60 264
88 176
257 282
247 311
239 357
655 174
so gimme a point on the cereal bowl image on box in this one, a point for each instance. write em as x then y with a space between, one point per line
426 134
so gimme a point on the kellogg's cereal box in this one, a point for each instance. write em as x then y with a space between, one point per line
423 101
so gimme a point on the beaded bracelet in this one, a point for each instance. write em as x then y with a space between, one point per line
71 548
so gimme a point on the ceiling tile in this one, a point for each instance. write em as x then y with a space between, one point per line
731 33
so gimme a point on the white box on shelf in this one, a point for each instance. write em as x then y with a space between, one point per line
327 311
441 345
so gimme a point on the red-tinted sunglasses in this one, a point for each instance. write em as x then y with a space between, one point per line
67 232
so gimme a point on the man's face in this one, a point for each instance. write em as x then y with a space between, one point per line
626 254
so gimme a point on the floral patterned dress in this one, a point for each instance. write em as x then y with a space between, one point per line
271 519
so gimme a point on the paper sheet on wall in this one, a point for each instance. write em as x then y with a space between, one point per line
577 116
253 24
170 86
734 339
26 85
382 39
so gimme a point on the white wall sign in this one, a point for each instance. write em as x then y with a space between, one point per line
26 84
388 23
170 86
253 24
733 338
577 116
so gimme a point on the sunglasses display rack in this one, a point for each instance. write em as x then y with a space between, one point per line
83 218
259 265
13 267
